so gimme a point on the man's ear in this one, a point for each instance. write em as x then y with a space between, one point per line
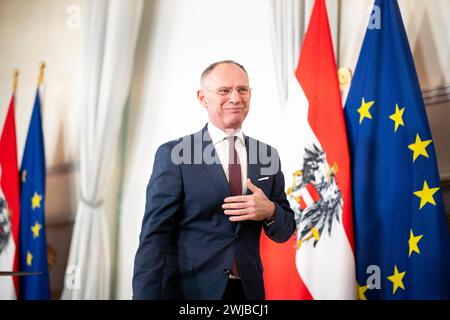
201 98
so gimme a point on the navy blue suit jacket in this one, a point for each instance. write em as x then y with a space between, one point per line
187 243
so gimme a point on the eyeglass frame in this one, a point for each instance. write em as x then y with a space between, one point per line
226 95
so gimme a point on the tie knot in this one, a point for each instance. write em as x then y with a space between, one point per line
231 139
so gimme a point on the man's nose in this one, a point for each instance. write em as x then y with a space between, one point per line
234 97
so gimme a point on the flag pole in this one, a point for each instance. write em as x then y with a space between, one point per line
41 73
15 77
41 86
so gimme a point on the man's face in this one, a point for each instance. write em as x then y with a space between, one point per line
226 95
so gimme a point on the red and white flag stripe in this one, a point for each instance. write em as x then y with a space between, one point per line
9 190
309 196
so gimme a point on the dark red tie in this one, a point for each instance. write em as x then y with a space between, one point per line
235 181
234 168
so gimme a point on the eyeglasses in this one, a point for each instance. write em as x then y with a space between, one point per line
226 91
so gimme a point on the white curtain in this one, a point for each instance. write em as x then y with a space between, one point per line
111 29
288 25
289 21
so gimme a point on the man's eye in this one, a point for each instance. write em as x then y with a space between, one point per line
224 91
243 90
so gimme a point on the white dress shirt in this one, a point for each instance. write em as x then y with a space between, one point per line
219 139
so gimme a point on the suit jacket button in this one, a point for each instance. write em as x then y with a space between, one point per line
226 272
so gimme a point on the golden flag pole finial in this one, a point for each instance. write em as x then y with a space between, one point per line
15 77
41 73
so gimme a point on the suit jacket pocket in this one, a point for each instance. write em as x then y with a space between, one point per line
179 262
265 184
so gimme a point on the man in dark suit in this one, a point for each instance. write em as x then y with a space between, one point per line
209 196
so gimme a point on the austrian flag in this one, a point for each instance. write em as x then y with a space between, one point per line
319 262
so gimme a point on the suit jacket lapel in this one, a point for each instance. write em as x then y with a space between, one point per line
214 170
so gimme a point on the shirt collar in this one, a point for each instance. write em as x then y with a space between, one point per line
217 135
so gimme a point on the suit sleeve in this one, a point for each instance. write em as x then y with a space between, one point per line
163 202
283 226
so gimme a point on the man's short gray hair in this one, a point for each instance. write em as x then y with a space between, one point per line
211 67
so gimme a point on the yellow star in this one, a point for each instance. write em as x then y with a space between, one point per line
29 258
397 117
36 201
362 292
24 176
426 195
364 110
413 241
36 228
396 280
419 147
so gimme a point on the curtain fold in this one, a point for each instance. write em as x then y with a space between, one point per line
288 19
111 29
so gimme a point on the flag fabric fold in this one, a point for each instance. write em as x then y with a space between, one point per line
319 262
33 245
401 237
9 206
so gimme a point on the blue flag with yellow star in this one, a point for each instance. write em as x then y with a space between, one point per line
402 242
33 245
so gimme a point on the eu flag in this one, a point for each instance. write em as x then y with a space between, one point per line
33 248
401 236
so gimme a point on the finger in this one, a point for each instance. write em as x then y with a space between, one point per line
251 186
236 212
237 199
242 218
236 205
